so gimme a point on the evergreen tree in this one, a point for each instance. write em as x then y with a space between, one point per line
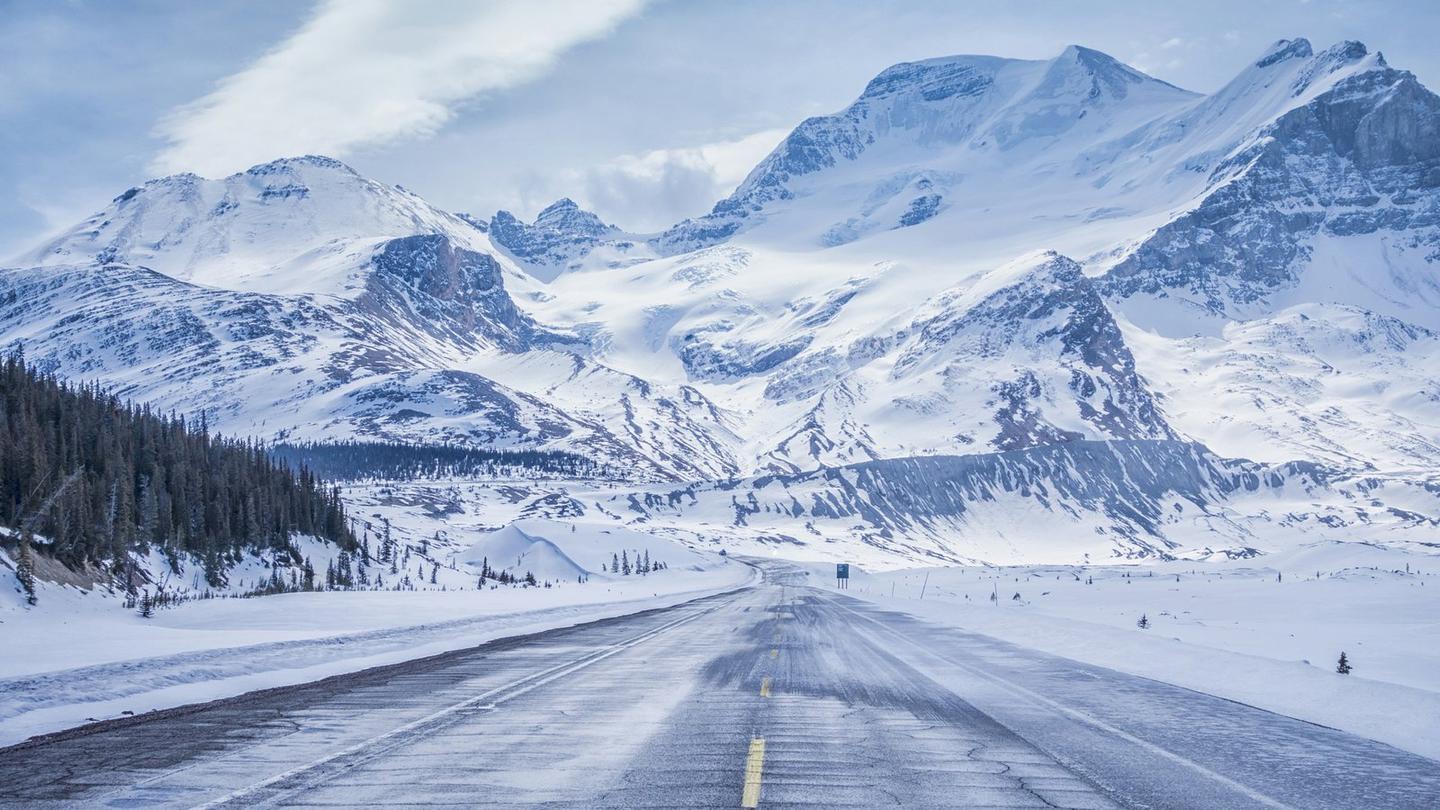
106 480
625 563
392 460
25 568
344 577
1343 666
614 563
1144 622
147 605
434 573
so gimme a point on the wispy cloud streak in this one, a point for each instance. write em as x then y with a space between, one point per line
368 72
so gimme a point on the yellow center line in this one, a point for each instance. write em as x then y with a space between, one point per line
765 687
754 765
774 653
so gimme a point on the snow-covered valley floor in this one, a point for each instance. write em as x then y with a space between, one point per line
1225 628
82 656
1265 631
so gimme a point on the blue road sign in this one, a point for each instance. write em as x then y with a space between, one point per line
842 570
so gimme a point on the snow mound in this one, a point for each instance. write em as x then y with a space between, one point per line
515 550
553 550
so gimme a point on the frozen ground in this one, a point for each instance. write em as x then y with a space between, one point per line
1229 629
79 656
1265 632
773 696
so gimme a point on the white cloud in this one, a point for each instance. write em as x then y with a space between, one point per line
366 72
658 188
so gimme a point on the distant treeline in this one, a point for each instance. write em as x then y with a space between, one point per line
352 460
101 479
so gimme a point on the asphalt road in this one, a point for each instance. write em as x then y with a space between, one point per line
773 696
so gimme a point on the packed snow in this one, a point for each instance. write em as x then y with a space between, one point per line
1267 632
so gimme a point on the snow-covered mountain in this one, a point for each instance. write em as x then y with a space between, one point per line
564 237
1055 278
299 300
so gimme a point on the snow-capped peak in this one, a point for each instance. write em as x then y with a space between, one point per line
565 215
300 224
299 163
562 236
937 120
936 79
1283 49
1103 76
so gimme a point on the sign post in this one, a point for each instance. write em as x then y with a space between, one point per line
842 576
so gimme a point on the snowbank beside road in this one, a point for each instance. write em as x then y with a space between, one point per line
1262 632
81 657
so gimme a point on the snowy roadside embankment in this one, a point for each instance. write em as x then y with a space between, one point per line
87 659
1262 632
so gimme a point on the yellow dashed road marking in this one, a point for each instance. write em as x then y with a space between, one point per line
754 765
765 688
774 653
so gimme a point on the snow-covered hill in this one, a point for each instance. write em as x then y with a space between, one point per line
1051 264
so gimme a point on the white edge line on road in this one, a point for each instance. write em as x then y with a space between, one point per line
514 689
1084 718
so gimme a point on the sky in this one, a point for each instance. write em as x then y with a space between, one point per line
646 111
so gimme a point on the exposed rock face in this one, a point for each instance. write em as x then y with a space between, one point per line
1361 158
1082 501
1051 311
455 288
559 239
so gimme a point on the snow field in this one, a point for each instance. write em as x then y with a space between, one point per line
79 656
1229 629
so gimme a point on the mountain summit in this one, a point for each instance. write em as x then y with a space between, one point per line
920 126
561 237
290 225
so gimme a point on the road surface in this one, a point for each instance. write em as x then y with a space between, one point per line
778 695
